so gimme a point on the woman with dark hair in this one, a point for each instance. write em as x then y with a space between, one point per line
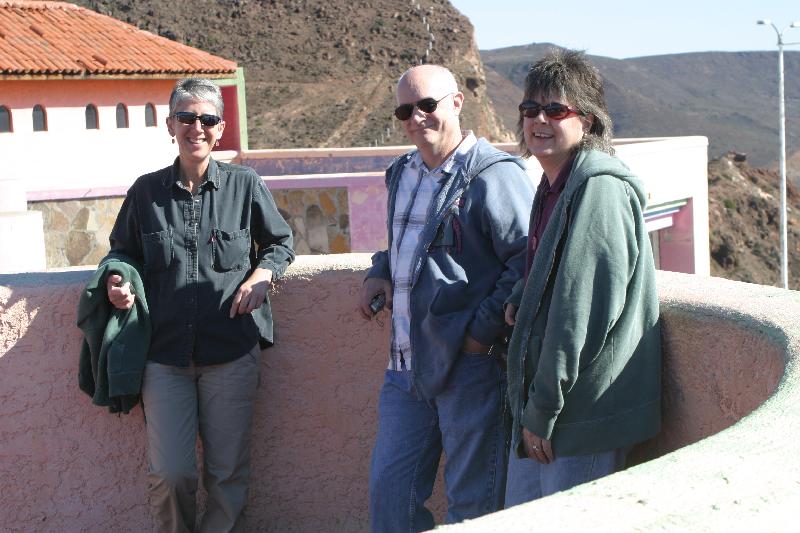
211 241
584 359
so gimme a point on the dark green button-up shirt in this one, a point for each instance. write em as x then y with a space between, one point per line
197 250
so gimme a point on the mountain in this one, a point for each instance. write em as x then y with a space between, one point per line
730 97
322 73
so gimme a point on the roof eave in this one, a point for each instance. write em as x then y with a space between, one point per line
8 76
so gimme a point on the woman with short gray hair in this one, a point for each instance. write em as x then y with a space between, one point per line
210 241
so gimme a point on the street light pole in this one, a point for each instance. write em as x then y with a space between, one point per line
782 133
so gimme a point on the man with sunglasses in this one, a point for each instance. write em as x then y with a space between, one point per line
457 211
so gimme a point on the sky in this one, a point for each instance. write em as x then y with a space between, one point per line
632 28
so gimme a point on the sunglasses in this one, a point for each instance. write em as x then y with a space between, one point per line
426 105
188 118
554 110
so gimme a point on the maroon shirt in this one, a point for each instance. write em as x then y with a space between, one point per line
543 210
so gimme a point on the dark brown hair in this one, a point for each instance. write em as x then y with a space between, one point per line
569 75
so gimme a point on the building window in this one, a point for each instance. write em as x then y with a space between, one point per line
5 120
39 118
150 115
122 116
91 117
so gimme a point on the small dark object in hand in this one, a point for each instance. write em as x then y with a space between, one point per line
377 303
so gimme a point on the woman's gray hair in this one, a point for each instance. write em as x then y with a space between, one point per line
196 89
569 75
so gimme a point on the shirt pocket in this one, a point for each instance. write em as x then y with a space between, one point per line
445 235
157 249
231 249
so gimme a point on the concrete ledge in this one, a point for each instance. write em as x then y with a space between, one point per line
726 460
729 348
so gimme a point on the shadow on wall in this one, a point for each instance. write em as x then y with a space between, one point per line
60 454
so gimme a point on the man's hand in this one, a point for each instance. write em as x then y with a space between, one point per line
470 345
371 288
537 448
511 314
121 296
252 292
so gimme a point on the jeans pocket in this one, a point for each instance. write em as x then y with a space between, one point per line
157 250
230 249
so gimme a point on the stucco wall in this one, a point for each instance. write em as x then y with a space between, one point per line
66 465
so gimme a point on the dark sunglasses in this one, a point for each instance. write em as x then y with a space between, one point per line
426 105
185 117
554 110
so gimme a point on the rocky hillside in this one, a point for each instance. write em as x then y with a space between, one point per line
744 221
322 72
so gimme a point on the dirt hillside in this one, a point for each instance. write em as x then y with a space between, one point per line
322 72
744 221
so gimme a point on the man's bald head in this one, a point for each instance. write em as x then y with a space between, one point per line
433 79
434 129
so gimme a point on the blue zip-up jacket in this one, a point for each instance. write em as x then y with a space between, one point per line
470 254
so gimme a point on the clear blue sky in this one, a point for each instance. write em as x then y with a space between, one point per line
631 28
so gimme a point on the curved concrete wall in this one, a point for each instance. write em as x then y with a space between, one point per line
66 465
731 353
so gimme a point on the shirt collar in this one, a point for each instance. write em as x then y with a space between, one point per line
211 179
561 180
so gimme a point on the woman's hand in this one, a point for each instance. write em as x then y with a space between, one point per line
537 448
511 314
120 295
252 292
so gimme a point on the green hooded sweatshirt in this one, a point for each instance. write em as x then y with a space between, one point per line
584 361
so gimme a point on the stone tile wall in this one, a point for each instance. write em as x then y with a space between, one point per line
319 219
76 231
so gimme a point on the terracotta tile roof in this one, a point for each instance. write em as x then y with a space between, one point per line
45 38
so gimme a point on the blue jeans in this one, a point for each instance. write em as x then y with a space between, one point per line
529 480
465 421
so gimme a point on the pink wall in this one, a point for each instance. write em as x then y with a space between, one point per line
230 139
69 466
676 243
368 214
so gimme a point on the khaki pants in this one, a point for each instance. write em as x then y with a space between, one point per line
215 402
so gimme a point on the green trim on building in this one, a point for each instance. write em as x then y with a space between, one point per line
241 101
